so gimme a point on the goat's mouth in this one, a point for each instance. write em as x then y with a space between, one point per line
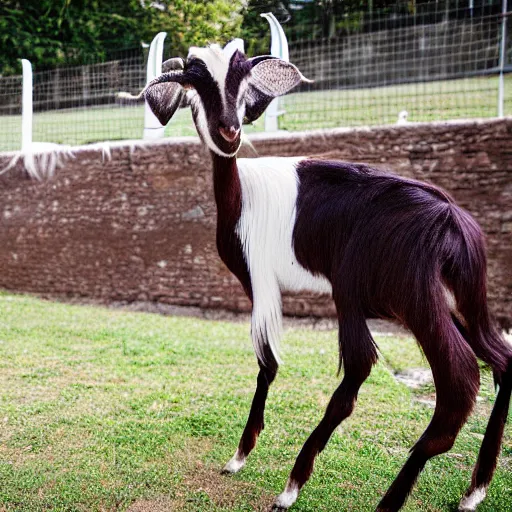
228 141
230 134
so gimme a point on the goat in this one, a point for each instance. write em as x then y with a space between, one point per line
382 245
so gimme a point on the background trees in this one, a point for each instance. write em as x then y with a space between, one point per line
67 32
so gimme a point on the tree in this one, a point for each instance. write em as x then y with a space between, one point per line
69 32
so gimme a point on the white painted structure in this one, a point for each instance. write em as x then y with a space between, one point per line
278 48
152 127
26 106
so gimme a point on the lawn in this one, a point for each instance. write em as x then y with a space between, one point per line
426 101
104 410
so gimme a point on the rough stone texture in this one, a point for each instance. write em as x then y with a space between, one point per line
140 226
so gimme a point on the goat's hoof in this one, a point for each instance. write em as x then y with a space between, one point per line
235 464
276 507
470 501
287 498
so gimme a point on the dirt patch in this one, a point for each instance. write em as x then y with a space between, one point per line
204 483
483 406
202 486
415 378
427 400
160 504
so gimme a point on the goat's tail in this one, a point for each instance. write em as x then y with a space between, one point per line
465 272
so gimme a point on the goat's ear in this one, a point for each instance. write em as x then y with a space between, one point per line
165 94
270 77
274 77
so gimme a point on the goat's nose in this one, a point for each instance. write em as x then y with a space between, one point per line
230 133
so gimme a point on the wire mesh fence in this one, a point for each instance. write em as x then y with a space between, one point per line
437 64
78 105
433 68
10 112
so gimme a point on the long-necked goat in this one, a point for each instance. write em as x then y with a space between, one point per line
384 246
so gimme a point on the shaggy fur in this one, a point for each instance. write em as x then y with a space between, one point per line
385 246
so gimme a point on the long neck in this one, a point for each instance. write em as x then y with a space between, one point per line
227 189
228 196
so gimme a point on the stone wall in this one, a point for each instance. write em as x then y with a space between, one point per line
140 225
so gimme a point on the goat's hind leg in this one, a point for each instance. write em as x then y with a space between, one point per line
491 444
359 355
255 422
457 378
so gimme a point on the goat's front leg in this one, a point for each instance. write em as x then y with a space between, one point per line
359 355
266 325
255 422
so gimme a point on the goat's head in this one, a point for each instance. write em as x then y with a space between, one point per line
224 89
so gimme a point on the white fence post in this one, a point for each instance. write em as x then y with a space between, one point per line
501 85
152 127
278 48
26 106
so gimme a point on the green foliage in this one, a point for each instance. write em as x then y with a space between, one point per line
310 19
197 23
65 32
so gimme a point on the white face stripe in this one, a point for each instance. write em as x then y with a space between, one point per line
269 195
215 59
202 126
217 63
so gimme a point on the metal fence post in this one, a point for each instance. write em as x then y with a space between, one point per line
152 127
26 106
278 48
501 85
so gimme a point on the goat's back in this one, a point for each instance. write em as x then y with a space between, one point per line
386 242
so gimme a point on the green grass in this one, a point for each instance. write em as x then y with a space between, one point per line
104 410
424 101
427 101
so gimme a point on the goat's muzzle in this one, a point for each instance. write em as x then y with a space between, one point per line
229 133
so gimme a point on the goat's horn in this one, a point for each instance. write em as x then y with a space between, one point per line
174 64
164 77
